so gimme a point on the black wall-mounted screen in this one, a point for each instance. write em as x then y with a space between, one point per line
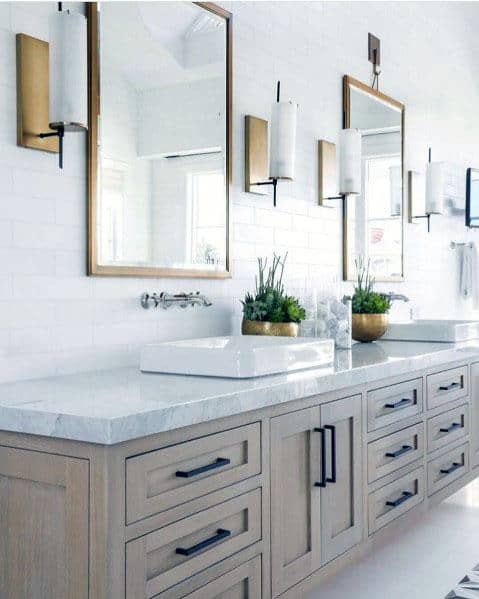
472 198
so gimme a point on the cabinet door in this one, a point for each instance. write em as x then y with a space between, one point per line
341 504
475 415
295 500
43 525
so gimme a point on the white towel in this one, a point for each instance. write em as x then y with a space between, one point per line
468 276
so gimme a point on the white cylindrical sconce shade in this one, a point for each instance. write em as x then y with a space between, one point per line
350 161
435 188
68 71
283 140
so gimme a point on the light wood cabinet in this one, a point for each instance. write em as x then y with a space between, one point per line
256 505
295 499
475 415
341 507
44 520
316 488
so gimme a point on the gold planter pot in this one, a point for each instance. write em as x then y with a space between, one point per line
274 329
369 327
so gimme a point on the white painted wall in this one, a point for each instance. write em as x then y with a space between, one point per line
54 319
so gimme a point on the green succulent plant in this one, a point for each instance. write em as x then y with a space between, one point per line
364 299
269 303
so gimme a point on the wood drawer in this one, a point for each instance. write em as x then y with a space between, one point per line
447 468
162 479
242 582
396 498
447 427
395 451
171 554
445 386
392 404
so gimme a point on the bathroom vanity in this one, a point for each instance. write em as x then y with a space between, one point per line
121 484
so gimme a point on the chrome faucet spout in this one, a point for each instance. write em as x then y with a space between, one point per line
397 297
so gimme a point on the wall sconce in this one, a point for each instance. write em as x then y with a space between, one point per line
349 166
52 84
258 173
434 199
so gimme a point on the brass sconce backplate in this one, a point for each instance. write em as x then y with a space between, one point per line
33 94
256 154
327 182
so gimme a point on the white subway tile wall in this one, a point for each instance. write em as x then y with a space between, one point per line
54 319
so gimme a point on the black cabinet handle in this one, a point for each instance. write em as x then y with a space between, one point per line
449 387
332 428
453 427
221 534
219 463
450 470
323 481
402 403
404 497
404 449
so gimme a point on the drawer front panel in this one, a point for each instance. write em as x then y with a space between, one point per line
446 386
166 478
395 499
447 428
244 581
163 558
447 468
392 404
390 453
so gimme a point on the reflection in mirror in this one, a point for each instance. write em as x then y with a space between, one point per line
472 198
161 206
373 222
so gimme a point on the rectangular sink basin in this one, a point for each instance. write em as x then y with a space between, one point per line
446 331
238 356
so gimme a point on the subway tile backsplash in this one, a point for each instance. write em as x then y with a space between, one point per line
54 319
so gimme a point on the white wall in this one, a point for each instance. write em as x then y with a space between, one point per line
54 319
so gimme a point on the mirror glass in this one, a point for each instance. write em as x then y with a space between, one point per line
373 226
162 151
472 198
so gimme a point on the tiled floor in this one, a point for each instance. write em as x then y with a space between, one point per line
425 561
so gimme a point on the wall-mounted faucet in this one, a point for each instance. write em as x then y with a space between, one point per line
167 300
397 297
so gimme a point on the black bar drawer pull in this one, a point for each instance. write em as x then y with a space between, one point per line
219 463
402 403
453 427
404 497
449 387
221 534
404 449
451 469
332 428
323 481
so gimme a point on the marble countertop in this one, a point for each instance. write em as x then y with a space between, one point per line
112 406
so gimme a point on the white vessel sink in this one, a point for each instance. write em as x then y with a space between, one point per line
237 357
447 331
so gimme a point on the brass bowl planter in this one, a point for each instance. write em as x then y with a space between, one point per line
369 327
274 329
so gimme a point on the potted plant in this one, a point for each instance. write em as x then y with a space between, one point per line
370 309
270 311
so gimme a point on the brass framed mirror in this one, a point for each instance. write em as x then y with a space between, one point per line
160 139
373 221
